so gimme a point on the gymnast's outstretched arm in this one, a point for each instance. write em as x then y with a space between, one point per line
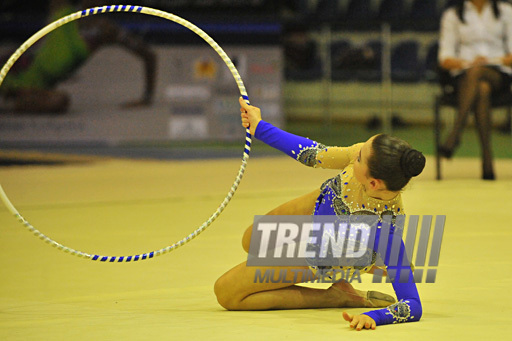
408 308
304 150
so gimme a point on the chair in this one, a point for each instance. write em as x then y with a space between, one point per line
448 98
340 52
372 73
302 61
431 62
405 64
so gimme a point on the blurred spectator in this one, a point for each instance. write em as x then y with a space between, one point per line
356 58
30 86
299 49
475 51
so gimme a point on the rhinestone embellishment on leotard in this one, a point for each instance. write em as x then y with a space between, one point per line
400 311
343 205
307 155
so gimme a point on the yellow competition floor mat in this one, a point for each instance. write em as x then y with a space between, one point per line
123 207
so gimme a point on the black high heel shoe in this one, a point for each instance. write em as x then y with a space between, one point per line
488 176
445 152
488 173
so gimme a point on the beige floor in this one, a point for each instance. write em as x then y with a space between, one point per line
122 207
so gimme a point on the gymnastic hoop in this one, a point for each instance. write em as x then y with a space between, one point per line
150 11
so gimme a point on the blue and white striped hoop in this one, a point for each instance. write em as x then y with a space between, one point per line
247 148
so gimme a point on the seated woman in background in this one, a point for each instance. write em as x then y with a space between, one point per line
475 47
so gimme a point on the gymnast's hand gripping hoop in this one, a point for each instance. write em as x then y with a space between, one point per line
247 148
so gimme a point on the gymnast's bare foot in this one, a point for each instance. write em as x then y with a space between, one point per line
350 297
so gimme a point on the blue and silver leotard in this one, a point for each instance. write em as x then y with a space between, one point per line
344 195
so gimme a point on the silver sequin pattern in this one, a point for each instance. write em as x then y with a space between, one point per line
307 156
400 311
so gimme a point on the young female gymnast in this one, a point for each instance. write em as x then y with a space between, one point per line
371 178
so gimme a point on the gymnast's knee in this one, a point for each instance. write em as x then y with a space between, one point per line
224 296
246 239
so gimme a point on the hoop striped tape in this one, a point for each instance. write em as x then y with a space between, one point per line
150 11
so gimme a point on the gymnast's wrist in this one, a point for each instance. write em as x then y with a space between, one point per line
260 125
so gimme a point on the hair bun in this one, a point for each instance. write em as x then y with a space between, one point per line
412 162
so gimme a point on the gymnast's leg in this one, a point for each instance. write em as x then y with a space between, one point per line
237 290
303 205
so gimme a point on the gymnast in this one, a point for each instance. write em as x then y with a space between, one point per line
372 176
31 84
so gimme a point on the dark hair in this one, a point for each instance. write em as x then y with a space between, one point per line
394 161
459 8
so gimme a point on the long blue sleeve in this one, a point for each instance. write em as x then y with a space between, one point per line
408 308
292 145
306 151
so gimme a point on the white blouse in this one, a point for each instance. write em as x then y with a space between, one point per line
482 35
